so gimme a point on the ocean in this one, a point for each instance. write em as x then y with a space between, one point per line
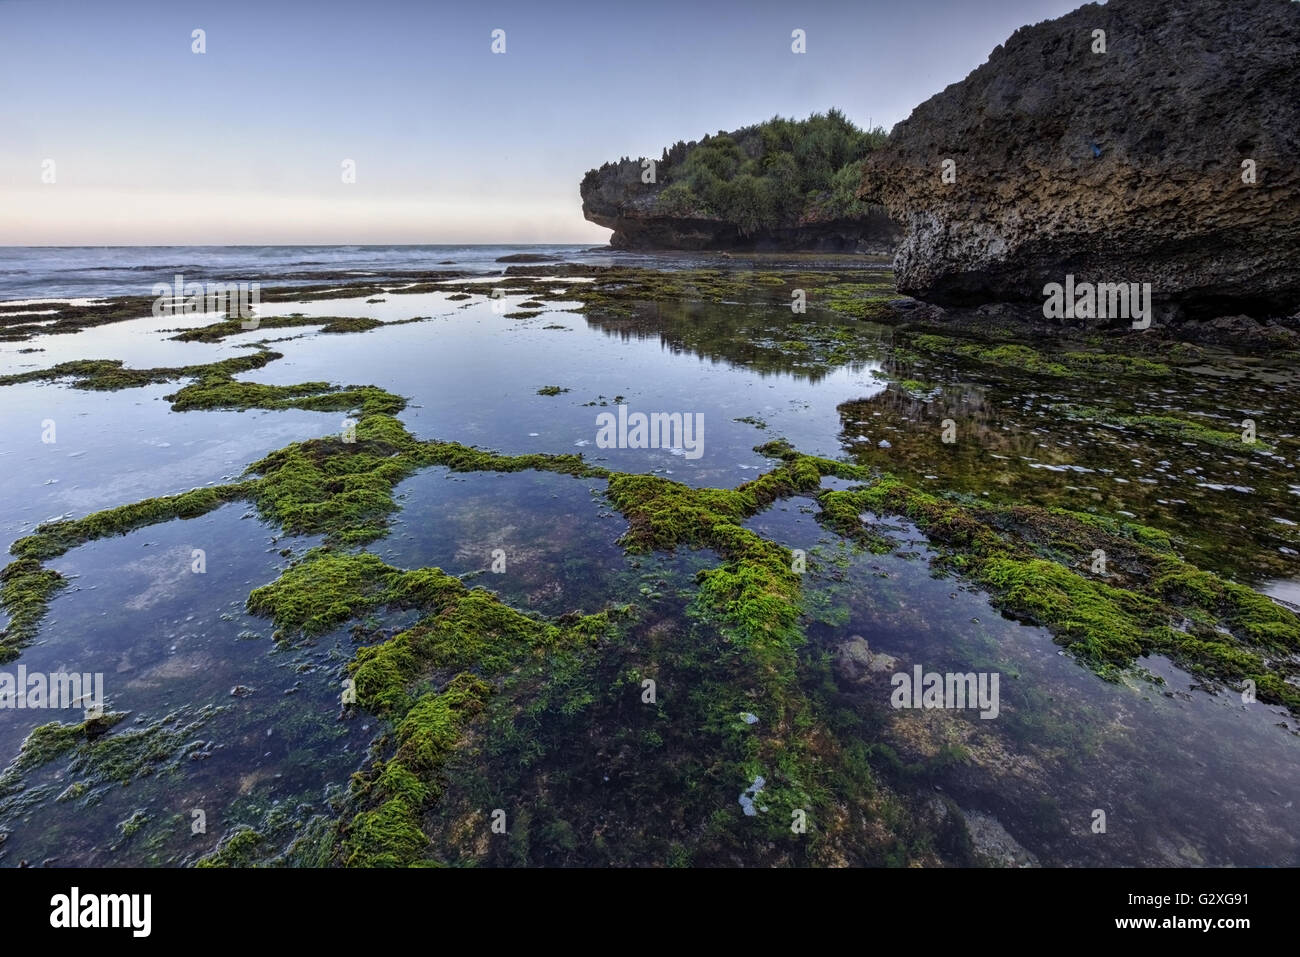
68 272
64 272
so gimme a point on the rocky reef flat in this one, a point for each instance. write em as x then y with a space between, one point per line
439 623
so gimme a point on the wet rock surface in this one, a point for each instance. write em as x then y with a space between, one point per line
1126 165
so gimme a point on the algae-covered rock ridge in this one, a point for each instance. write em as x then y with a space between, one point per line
781 184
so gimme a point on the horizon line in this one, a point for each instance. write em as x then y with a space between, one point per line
267 245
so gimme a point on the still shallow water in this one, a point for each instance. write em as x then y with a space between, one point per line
1186 777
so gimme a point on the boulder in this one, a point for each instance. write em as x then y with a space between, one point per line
1122 166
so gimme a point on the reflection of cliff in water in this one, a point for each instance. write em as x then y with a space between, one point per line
766 339
1026 452
914 427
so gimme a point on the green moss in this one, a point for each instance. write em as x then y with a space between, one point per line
25 592
663 514
431 728
223 392
1022 358
99 757
341 489
1192 430
1114 363
46 742
1171 427
1009 355
216 388
110 374
71 317
463 458
944 520
54 538
1079 525
858 300
1246 613
243 848
550 390
218 331
345 489
324 589
132 825
754 594
387 836
463 628
1098 623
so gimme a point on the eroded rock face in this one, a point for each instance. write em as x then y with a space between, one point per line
616 198
1122 166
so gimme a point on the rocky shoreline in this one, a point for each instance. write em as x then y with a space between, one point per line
1119 146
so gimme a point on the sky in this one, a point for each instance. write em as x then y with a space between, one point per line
150 143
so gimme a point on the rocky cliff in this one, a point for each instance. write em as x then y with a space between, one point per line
783 184
1139 141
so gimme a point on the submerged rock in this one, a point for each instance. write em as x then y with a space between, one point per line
527 258
855 661
993 844
1122 166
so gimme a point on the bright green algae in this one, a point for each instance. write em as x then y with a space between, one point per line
219 331
110 374
1022 358
26 587
98 759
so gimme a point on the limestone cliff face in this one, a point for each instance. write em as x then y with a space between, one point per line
1122 166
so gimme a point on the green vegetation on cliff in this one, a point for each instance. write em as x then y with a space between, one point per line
768 175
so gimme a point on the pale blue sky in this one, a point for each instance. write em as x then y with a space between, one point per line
155 144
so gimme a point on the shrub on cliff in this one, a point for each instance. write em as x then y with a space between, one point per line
761 177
